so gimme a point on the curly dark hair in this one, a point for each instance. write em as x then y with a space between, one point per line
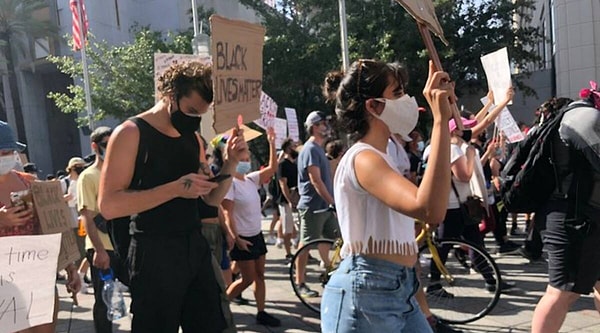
181 79
364 80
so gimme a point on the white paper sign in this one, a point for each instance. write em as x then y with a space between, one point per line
27 280
497 71
507 124
280 127
162 61
292 121
268 111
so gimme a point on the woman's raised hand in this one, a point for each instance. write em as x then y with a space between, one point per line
439 92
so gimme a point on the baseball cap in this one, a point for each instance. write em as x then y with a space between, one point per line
7 138
314 118
74 161
467 123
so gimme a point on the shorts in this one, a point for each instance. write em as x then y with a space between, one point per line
255 251
287 218
372 295
214 235
317 225
573 253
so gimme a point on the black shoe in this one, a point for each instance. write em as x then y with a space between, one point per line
504 286
437 290
441 327
508 247
266 319
239 300
462 257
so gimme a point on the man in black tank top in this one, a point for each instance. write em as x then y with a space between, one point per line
152 174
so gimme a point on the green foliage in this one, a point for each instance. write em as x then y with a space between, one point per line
303 43
121 77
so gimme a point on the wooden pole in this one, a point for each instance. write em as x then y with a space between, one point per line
433 55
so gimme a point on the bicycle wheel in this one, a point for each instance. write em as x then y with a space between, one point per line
473 290
322 258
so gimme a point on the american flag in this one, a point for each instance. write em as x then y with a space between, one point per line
78 36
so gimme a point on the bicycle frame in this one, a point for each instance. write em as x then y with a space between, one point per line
427 235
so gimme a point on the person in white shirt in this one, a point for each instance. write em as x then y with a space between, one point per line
373 288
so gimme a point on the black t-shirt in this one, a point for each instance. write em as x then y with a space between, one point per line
288 170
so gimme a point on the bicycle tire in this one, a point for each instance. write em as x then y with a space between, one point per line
316 276
472 298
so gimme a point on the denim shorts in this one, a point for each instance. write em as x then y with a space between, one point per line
371 295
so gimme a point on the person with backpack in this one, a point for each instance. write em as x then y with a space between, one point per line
151 173
571 210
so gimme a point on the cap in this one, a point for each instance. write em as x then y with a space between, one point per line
74 161
467 123
314 118
7 138
30 168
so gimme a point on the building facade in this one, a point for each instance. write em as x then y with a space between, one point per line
52 136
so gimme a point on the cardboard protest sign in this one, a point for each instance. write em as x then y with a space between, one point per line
292 121
423 12
507 124
249 134
162 61
280 127
268 111
497 71
237 52
55 217
27 280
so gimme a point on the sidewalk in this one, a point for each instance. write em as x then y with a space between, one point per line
512 314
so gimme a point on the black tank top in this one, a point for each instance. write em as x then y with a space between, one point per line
167 159
206 211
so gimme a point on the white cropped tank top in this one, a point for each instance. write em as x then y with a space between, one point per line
367 224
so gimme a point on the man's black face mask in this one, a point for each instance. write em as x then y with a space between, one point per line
467 134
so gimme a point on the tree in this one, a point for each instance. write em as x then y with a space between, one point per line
19 22
121 77
303 42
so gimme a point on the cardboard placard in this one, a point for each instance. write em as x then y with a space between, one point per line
237 52
497 71
423 12
292 121
162 61
27 280
55 217
507 124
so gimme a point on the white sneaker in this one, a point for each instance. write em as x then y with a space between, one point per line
271 240
295 242
279 243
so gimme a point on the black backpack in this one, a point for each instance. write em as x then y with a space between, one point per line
119 229
530 177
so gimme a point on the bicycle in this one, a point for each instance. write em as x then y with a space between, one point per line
460 296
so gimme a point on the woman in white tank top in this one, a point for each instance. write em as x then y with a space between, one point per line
374 286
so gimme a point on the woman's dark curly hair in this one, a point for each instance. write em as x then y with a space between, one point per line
364 80
181 79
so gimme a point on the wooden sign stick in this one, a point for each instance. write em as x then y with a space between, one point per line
433 55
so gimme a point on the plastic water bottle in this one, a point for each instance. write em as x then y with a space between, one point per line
112 296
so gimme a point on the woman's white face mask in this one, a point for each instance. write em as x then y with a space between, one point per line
7 163
400 115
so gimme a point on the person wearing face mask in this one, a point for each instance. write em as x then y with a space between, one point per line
287 175
242 214
100 253
316 193
17 221
415 149
371 105
152 173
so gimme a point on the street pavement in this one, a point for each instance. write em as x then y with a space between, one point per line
512 314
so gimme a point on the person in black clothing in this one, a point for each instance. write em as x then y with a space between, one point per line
173 283
287 175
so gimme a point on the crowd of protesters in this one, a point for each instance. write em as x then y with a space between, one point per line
195 212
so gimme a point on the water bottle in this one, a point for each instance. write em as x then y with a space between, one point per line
112 296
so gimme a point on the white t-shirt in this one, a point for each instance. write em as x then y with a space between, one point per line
463 188
72 190
246 200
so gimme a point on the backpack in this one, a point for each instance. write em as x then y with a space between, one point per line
120 229
529 176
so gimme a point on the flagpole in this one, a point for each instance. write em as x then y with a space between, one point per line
86 79
344 35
